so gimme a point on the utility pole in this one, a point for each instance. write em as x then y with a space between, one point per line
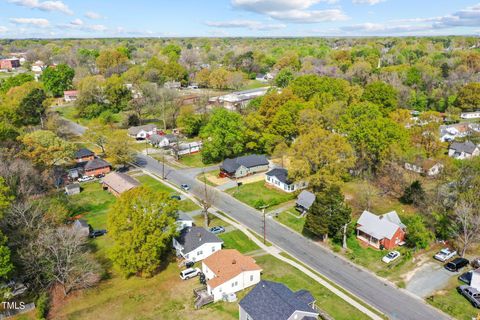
163 164
264 223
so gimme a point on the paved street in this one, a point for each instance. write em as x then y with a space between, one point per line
395 303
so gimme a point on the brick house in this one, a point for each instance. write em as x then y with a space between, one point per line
385 231
96 167
84 155
9 64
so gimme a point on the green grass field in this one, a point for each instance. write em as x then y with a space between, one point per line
236 239
256 192
192 160
289 218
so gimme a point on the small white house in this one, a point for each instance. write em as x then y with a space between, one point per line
189 148
228 271
70 96
38 66
196 243
470 115
142 132
463 150
184 221
164 141
428 167
278 178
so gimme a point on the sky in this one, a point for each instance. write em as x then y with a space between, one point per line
233 18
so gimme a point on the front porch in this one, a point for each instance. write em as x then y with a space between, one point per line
368 239
202 297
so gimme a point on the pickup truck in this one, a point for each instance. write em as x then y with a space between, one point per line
445 255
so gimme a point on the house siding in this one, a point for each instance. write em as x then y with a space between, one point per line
198 254
98 171
243 171
273 181
240 282
398 237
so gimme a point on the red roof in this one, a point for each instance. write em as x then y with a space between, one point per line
70 93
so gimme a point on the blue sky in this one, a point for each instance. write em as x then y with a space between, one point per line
179 18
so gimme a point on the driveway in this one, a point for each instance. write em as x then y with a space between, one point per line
429 278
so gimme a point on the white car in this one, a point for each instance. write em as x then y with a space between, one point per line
86 178
445 254
391 256
189 273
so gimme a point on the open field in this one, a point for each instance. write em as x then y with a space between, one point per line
255 193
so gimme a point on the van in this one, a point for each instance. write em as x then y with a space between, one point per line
456 264
189 273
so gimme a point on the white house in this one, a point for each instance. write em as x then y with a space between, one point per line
164 141
142 132
184 221
228 271
278 178
189 148
238 100
172 85
38 66
470 115
463 150
196 244
428 167
70 96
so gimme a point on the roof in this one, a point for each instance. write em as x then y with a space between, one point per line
227 264
80 223
120 182
281 174
250 161
83 153
96 163
465 147
189 145
137 129
380 227
72 186
305 199
275 301
182 216
425 164
194 237
70 92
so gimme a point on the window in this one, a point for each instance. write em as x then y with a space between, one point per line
251 277
213 249
200 252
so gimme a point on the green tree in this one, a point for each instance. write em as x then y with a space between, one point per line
46 148
172 52
5 197
6 265
58 79
223 136
112 61
310 85
31 109
469 97
418 235
142 223
119 150
383 95
189 121
117 93
413 194
14 81
283 78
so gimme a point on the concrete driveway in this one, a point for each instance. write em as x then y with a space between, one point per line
428 278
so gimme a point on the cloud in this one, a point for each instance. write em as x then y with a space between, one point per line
39 22
370 2
248 24
44 6
379 28
296 11
93 15
3 29
77 22
469 17
97 27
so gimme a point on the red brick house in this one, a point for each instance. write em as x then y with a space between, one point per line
9 63
385 231
97 166
84 155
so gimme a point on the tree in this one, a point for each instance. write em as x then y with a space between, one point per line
328 214
15 81
31 108
189 121
418 236
58 79
467 224
5 196
223 135
320 157
283 78
46 148
6 265
469 97
142 223
119 150
414 194
98 135
383 95
218 78
112 61
117 93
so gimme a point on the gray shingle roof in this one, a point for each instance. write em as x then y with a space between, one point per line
466 147
72 186
250 161
380 227
194 237
281 174
133 131
83 152
275 301
96 163
80 223
305 199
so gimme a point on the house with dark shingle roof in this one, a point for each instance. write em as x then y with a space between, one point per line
84 155
196 244
304 201
278 178
275 301
244 166
96 166
463 150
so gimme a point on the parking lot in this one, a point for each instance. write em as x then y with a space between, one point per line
428 278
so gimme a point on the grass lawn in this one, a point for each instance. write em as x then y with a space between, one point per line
253 84
252 193
453 303
192 160
214 221
236 239
276 270
289 218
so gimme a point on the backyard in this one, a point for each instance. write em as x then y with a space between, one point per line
256 194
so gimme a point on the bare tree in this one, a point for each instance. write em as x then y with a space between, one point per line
467 220
207 199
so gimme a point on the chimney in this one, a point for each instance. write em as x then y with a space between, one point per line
199 237
234 261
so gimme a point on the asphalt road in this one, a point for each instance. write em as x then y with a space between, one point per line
393 302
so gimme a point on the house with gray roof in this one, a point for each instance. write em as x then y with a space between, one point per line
381 231
196 243
304 201
84 155
96 167
81 227
71 189
163 141
244 166
183 221
278 178
142 132
463 150
270 300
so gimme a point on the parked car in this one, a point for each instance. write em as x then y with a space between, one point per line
217 230
391 256
472 294
189 264
456 264
189 273
97 233
185 187
86 178
466 277
445 254
176 197
101 175
193 86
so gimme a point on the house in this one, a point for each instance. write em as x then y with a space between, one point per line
238 100
304 201
9 64
243 166
463 150
70 96
278 178
71 189
428 167
172 85
275 301
470 115
228 271
164 141
118 183
81 227
264 77
84 155
142 132
458 130
188 148
385 231
184 221
38 66
196 244
96 167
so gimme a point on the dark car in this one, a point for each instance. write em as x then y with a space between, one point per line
176 197
185 187
472 294
217 230
101 175
456 264
97 233
189 264
466 277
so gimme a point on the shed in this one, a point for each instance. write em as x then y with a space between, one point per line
72 189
